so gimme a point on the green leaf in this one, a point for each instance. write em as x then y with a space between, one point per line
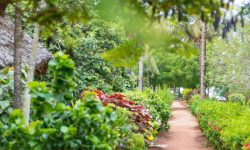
32 127
94 139
47 130
4 104
64 129
113 116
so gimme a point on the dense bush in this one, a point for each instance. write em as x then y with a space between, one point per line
236 97
85 44
139 116
226 125
59 122
6 83
189 94
96 121
6 91
158 105
85 125
186 93
158 102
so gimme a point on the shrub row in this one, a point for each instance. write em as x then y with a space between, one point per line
225 124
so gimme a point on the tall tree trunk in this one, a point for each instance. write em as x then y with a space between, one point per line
17 57
140 84
30 74
203 60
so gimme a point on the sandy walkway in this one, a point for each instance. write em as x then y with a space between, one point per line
184 133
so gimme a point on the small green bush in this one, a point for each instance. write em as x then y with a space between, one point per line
135 142
237 97
186 93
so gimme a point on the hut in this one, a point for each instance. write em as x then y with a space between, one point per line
7 48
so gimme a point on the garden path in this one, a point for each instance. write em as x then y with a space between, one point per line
184 133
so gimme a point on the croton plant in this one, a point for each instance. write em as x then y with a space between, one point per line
139 114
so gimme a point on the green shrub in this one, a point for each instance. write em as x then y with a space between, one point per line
158 102
226 125
85 44
135 142
186 93
6 84
62 85
60 123
6 91
236 97
195 98
85 125
139 117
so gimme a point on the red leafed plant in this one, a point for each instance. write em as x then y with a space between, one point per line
246 146
214 127
140 115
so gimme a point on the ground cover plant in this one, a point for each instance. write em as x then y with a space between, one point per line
225 124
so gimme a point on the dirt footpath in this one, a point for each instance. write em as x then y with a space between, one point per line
183 134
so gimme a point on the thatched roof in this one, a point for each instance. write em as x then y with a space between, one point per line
7 47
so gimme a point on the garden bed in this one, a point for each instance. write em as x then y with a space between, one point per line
226 125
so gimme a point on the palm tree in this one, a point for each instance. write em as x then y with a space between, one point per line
31 66
30 73
199 33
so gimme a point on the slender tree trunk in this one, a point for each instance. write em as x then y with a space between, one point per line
203 60
30 74
17 57
31 66
140 84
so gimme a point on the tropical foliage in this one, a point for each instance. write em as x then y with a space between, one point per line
157 101
59 121
88 98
